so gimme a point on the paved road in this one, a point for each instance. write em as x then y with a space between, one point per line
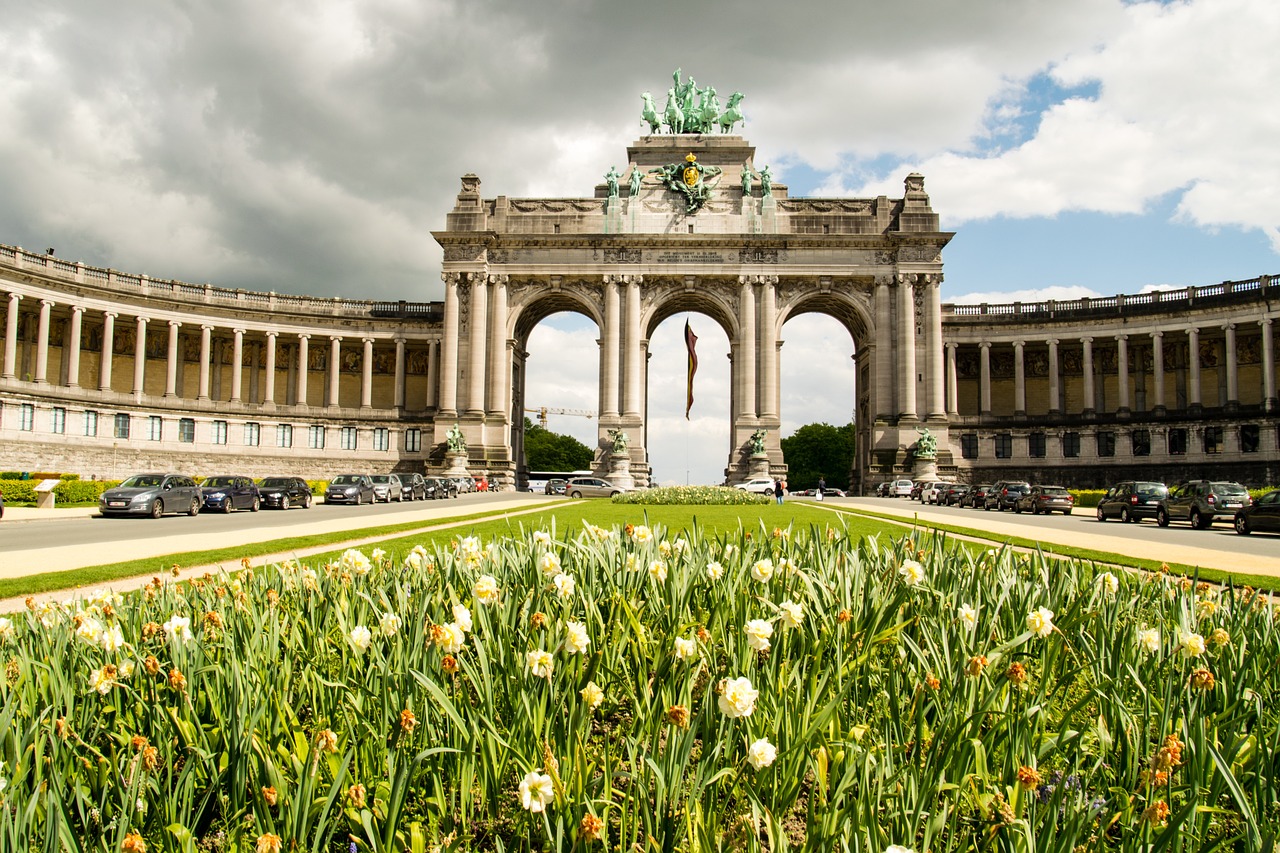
1219 547
57 540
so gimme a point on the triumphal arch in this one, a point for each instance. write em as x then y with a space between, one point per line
691 223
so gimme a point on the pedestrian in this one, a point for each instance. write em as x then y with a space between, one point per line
1 503
822 487
778 488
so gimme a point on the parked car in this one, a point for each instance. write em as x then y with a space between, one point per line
555 486
1004 494
442 487
153 495
954 493
901 489
884 488
976 496
1132 500
1201 502
229 492
1261 515
917 486
285 492
349 489
413 487
759 485
1046 499
931 492
386 488
591 487
830 492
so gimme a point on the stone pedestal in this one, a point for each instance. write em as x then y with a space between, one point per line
769 215
455 465
924 469
620 470
758 466
613 216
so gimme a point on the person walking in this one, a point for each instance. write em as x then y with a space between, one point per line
822 487
778 489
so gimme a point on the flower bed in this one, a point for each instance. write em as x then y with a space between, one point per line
692 496
634 687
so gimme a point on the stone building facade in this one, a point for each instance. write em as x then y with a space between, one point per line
105 373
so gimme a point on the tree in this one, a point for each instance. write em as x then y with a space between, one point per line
819 450
545 450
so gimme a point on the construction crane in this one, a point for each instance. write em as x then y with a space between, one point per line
543 411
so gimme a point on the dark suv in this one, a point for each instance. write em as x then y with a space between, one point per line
1004 494
1132 501
1200 502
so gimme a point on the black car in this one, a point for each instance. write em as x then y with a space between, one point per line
555 486
1201 502
953 494
413 487
285 492
229 492
441 487
1261 515
153 495
1132 500
1045 499
976 496
1004 494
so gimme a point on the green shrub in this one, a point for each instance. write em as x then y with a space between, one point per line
1088 498
317 486
82 491
68 476
18 491
692 495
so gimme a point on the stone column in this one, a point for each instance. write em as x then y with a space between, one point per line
496 404
335 363
171 361
1157 372
449 348
108 347
1055 387
906 348
884 408
769 347
984 379
747 386
1193 367
42 342
477 317
11 337
632 354
206 343
935 405
399 400
1233 374
237 356
433 374
72 351
1122 373
1019 380
366 373
1268 367
140 357
953 391
610 356
1090 400
269 392
300 396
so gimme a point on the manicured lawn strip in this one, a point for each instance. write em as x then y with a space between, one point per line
51 581
1217 576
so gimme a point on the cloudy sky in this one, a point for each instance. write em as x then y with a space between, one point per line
1091 146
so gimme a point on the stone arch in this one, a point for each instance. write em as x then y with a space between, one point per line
842 305
539 303
676 296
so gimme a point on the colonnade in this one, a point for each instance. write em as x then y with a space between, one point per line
899 376
266 346
1127 380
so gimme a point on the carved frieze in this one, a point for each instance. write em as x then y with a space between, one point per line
759 256
416 362
930 253
463 251
824 206
622 256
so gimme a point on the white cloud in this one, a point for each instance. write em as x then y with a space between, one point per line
1043 294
